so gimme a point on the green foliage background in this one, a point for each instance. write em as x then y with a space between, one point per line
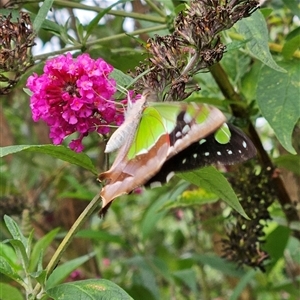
163 243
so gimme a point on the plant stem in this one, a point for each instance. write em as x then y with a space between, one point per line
155 8
68 238
119 13
99 41
203 283
228 91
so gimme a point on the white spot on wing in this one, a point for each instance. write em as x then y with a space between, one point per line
178 142
155 184
178 134
186 129
206 153
218 152
240 151
195 155
184 161
187 118
143 151
244 144
229 151
169 176
202 141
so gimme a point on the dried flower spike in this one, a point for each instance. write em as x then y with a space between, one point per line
16 40
193 46
243 244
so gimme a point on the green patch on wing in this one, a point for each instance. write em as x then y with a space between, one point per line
202 115
169 113
223 134
160 118
150 129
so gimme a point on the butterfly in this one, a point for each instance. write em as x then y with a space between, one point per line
158 139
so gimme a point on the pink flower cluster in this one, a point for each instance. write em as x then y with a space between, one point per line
74 95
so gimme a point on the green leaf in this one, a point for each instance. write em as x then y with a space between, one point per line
9 254
276 243
153 212
15 231
152 215
94 22
52 27
78 190
288 286
49 26
61 152
244 281
91 289
41 16
266 11
15 15
121 78
293 5
62 271
293 248
289 162
40 276
7 270
138 291
290 47
145 274
213 181
219 263
255 30
40 246
21 252
249 81
100 235
236 64
10 292
29 244
79 30
278 99
293 33
191 198
189 278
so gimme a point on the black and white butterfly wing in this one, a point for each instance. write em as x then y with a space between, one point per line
206 152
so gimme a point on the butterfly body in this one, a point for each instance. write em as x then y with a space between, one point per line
130 124
160 138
